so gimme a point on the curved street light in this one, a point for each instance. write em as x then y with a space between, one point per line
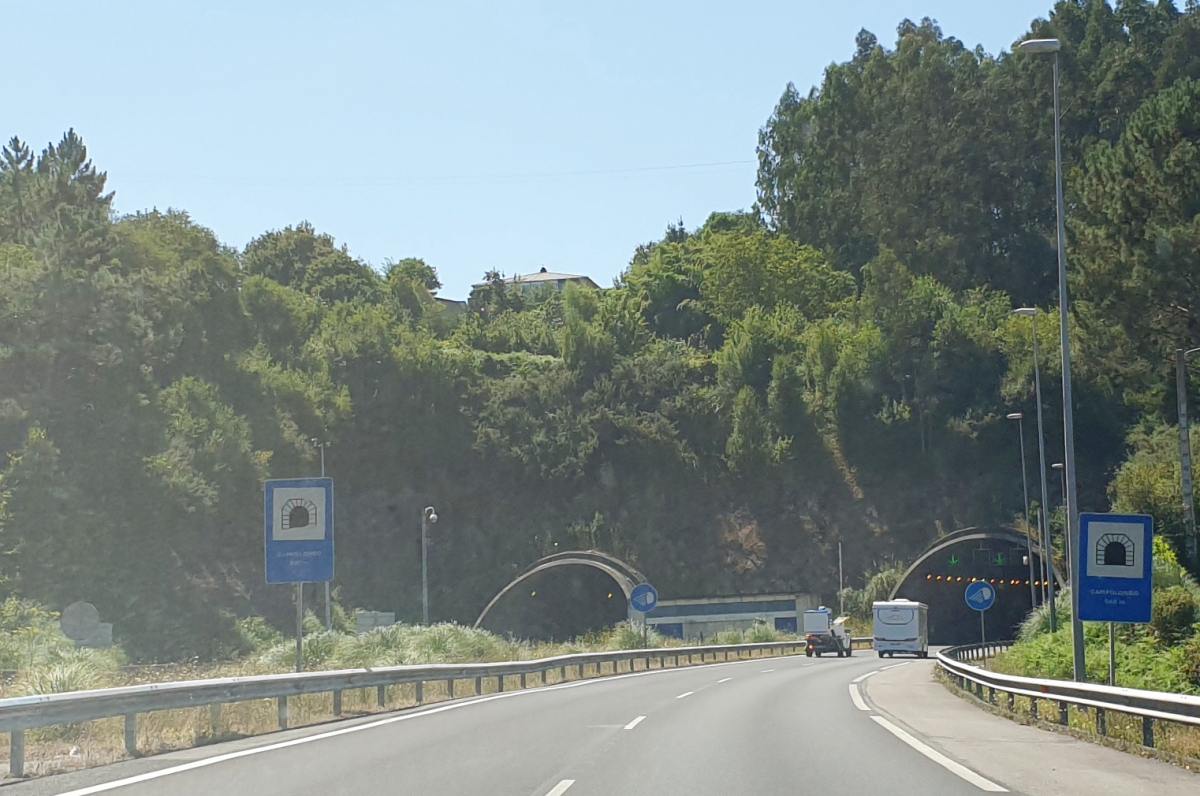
1020 418
428 517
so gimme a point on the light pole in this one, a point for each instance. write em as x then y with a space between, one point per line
1047 562
1072 529
1020 418
328 605
428 517
1185 456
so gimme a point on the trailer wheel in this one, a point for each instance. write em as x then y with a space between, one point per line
818 653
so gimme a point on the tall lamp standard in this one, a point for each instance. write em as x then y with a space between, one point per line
322 445
428 517
1044 531
1185 456
1072 527
1020 418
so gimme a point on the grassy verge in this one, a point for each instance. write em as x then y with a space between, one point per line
54 666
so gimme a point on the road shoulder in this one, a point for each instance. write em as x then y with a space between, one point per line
1023 758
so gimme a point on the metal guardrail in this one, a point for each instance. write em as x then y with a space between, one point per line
46 710
1149 706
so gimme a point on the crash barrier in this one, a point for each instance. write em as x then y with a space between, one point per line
1150 707
47 710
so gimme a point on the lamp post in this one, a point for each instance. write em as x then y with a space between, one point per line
1185 456
322 445
1020 418
1044 525
428 517
1072 527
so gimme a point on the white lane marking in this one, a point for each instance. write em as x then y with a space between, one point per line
764 671
862 677
806 664
956 768
894 665
561 788
857 698
725 680
104 787
635 722
685 694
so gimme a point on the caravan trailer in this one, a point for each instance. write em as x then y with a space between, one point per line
901 626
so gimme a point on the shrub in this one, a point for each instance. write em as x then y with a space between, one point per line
1190 652
1175 611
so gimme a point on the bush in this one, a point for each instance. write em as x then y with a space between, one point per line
1190 652
1175 612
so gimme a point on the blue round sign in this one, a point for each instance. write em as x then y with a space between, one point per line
643 598
980 595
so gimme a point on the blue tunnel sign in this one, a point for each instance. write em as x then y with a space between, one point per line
1115 579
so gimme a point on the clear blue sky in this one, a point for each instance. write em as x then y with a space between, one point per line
473 135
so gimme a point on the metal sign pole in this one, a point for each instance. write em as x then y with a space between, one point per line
1185 457
299 627
1112 653
841 582
983 634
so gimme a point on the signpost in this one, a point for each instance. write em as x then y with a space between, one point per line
980 596
643 599
1116 566
299 539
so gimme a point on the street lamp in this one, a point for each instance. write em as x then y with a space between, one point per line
428 517
1185 455
322 445
1072 527
1044 531
1020 418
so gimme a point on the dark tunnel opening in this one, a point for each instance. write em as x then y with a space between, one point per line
559 604
940 581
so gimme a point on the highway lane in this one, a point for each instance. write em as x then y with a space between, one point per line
765 726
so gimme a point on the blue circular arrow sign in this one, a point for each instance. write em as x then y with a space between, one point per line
980 595
643 598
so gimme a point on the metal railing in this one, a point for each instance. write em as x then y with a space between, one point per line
46 710
1149 706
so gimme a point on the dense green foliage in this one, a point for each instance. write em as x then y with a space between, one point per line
834 366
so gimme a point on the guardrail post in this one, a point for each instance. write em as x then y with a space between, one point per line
562 673
1101 721
450 688
1012 702
337 703
992 694
419 691
381 696
1064 715
478 686
16 753
499 683
1033 708
131 733
522 679
1148 731
214 716
282 710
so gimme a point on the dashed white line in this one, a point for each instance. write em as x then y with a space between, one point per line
685 694
561 788
635 722
725 680
956 768
807 664
857 698
764 671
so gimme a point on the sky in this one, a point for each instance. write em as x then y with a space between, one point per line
476 136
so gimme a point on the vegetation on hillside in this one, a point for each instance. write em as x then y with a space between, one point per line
834 366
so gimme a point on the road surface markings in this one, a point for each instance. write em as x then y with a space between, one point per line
104 787
635 722
561 788
764 671
725 680
862 677
807 664
894 665
956 768
857 698
685 694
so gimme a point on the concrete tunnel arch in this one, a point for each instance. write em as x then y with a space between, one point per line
939 577
624 574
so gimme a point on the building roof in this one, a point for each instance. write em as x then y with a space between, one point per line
545 276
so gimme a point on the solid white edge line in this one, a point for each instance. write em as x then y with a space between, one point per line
725 680
955 768
862 677
685 694
635 722
103 787
561 788
857 698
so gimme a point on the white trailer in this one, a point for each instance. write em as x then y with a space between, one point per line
901 626
823 633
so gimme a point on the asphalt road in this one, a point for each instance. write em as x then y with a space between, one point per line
767 726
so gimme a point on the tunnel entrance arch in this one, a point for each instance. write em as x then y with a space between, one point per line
940 575
563 595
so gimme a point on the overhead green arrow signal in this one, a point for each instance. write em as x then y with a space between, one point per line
953 560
